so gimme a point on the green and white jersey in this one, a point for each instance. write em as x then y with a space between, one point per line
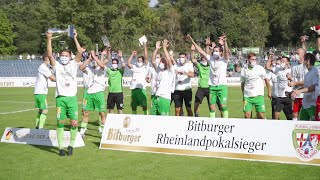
66 78
87 78
204 73
163 83
218 70
139 77
253 80
115 80
97 82
153 84
282 81
298 72
183 82
41 85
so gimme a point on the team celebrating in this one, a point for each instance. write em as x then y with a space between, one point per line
294 90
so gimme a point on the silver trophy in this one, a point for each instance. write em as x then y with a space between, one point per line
105 41
69 31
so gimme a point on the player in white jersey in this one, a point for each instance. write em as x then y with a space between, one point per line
252 87
138 82
283 90
95 69
66 91
183 91
41 91
152 76
164 79
218 74
297 80
311 80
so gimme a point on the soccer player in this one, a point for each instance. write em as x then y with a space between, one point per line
252 87
138 82
218 74
66 91
95 69
115 75
41 91
203 81
183 91
152 77
283 100
311 80
164 79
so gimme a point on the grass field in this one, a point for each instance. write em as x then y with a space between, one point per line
40 162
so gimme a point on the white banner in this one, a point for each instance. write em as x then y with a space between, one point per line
38 137
30 81
260 140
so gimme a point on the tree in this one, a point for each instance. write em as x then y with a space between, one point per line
6 35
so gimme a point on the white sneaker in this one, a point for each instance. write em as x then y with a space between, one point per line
100 129
82 132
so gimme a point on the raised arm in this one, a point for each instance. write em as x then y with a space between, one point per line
165 45
155 52
225 47
193 59
85 63
268 87
123 65
208 43
268 64
97 60
49 50
79 49
198 48
146 58
103 55
134 53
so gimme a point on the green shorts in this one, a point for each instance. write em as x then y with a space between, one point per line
257 102
138 98
67 107
307 114
41 101
96 101
219 93
160 106
85 98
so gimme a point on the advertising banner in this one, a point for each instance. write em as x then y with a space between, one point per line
38 137
259 140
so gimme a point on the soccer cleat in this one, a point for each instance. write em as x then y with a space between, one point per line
196 115
82 132
37 127
70 151
61 152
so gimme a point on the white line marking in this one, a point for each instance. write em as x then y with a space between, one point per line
12 112
17 102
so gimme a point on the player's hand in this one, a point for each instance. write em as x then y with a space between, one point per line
104 52
208 41
291 84
193 48
134 53
75 34
158 45
189 37
49 35
165 43
119 53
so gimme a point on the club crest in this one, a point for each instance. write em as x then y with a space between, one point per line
306 139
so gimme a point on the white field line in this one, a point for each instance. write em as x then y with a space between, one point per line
17 102
12 112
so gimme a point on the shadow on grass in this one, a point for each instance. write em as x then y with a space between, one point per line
49 149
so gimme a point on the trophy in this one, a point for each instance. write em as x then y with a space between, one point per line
143 40
69 31
105 41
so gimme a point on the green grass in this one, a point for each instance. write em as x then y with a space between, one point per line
30 162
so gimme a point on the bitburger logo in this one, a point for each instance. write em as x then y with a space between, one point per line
306 139
126 122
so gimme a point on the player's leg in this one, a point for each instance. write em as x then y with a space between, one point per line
61 116
164 106
273 105
100 105
223 99
178 99
86 108
287 109
134 101
297 106
317 115
213 101
37 105
72 114
111 102
247 107
119 102
260 106
143 101
197 101
155 106
187 97
278 108
43 109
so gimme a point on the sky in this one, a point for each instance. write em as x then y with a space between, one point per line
153 2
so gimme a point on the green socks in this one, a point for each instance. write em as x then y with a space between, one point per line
213 114
73 135
37 120
60 132
42 120
225 114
